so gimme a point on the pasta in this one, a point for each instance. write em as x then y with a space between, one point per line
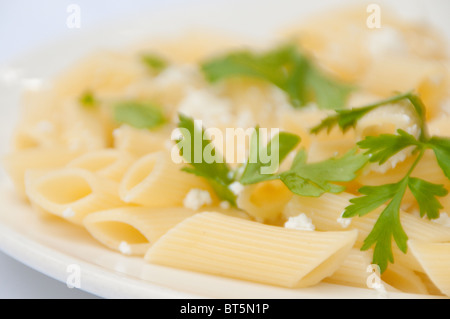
155 181
214 243
287 166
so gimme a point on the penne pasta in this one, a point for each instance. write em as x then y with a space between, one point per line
72 193
132 230
222 245
155 181
435 260
326 214
17 163
109 163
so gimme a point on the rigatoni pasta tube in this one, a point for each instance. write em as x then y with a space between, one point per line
435 260
232 247
73 193
131 230
156 181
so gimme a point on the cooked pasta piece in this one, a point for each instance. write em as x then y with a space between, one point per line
141 142
326 214
264 201
110 163
156 181
217 244
354 271
72 193
132 230
18 162
435 260
404 279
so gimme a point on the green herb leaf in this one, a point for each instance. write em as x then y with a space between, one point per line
87 100
216 172
139 115
425 194
154 62
388 225
441 148
348 118
314 179
286 68
381 148
280 146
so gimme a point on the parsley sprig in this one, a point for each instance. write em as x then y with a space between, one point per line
302 178
380 149
287 68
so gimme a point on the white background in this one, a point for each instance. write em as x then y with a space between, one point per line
26 24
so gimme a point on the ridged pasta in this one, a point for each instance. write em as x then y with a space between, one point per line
72 193
110 163
435 260
156 181
326 211
232 247
18 162
141 142
132 230
264 201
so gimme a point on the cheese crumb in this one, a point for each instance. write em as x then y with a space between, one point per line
124 248
197 198
224 204
68 212
344 222
236 188
300 222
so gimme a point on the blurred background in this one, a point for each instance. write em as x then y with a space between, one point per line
29 24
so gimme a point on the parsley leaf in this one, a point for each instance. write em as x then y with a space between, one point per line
388 224
381 148
154 62
441 148
425 194
348 118
87 100
286 68
314 179
138 114
217 173
280 145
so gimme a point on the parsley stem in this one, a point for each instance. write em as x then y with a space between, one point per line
413 166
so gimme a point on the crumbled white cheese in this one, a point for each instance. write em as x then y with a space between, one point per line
300 222
68 212
124 248
201 103
443 219
176 75
386 42
197 198
344 222
236 188
224 204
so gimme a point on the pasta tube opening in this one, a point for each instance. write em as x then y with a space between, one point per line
64 189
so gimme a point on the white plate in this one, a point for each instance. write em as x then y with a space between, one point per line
52 245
